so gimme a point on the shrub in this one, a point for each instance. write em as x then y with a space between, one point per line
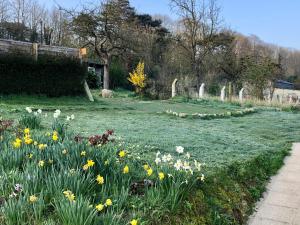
93 80
53 76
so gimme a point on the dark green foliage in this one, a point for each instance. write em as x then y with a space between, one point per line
93 80
118 75
53 76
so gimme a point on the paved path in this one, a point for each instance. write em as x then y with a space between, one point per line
281 202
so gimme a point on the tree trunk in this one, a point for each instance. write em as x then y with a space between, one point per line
106 74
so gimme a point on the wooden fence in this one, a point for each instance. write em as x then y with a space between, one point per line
35 49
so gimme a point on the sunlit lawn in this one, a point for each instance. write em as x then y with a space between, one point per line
216 142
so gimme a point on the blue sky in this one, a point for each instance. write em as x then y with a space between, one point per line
274 21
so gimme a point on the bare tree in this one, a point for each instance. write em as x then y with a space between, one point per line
4 10
200 22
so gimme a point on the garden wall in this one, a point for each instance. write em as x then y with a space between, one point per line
33 69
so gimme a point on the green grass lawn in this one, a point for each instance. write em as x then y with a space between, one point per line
240 154
216 142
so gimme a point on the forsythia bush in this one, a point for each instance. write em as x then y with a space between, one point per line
138 77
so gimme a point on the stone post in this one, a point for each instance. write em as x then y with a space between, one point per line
223 94
35 48
201 90
241 95
174 88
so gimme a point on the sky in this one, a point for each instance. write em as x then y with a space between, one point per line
273 21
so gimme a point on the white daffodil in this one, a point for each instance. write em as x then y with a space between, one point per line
197 165
157 161
186 165
202 177
178 164
68 118
157 154
28 109
39 111
188 155
72 117
179 149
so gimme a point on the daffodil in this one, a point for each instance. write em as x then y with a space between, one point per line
69 195
85 167
65 151
26 131
108 202
41 163
134 222
99 207
126 169
30 155
149 172
100 179
42 146
122 154
90 163
28 141
33 199
83 153
161 176
146 167
17 143
54 137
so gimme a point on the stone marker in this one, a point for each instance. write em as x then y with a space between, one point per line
290 99
106 93
201 90
223 94
241 95
87 91
174 88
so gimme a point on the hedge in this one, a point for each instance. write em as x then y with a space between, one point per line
49 75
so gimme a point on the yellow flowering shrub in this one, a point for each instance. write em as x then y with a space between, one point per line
138 77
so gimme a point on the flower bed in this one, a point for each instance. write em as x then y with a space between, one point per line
56 177
204 116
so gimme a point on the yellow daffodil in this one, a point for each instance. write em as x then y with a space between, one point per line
17 143
100 179
90 163
146 167
134 222
108 202
35 143
122 154
126 169
42 146
161 176
99 207
149 172
83 153
106 162
28 141
85 167
30 155
41 163
33 199
26 131
54 137
69 195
